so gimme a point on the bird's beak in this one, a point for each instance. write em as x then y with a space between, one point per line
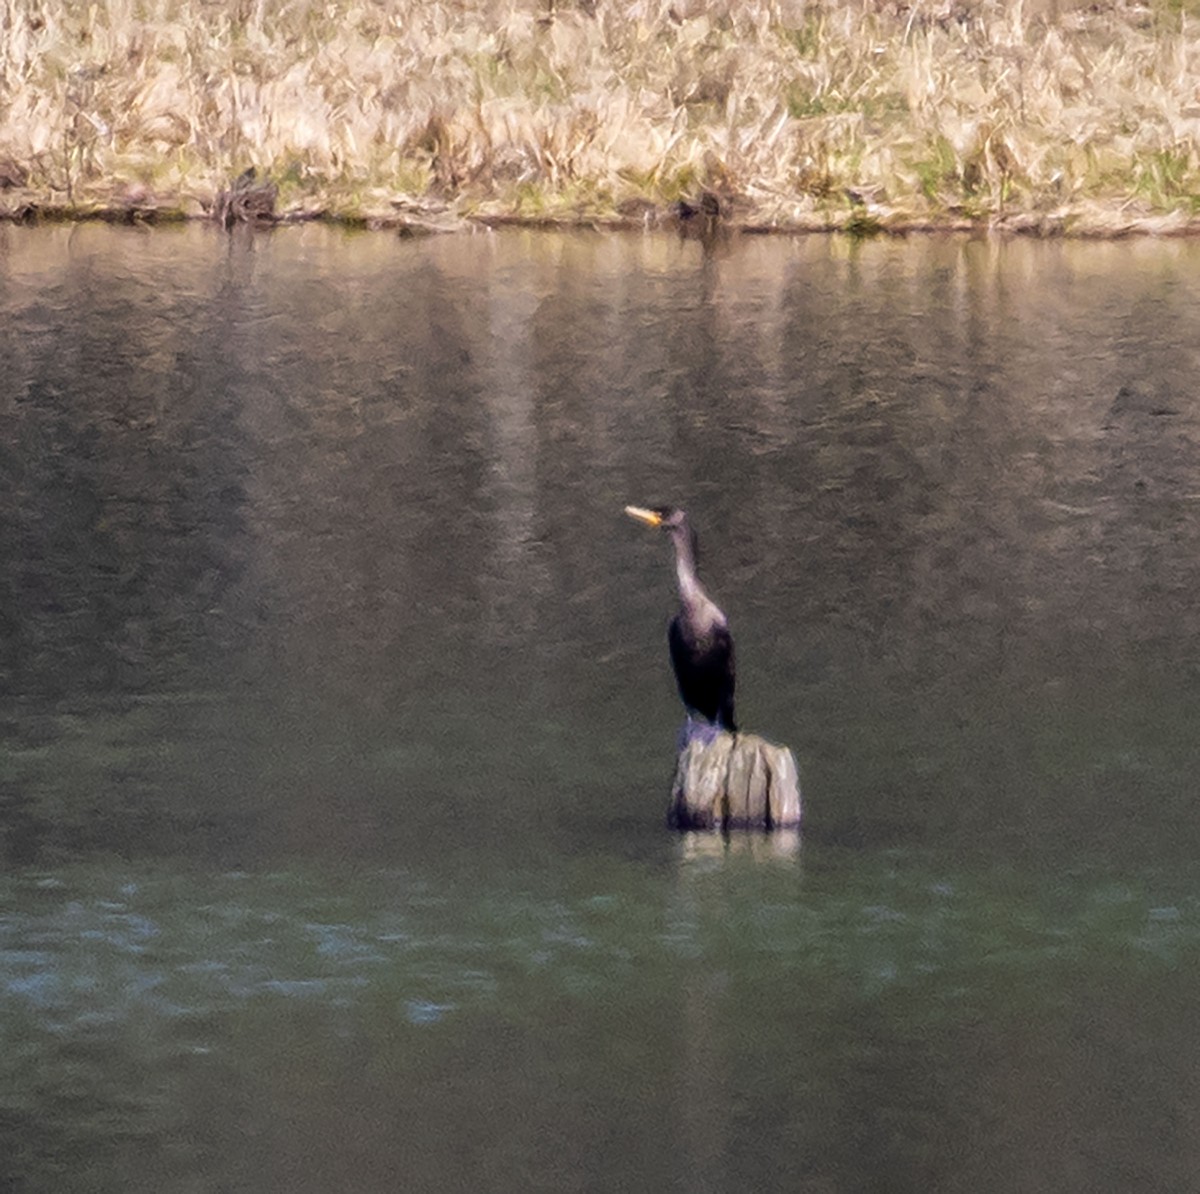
649 517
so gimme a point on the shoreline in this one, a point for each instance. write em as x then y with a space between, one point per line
865 223
1051 118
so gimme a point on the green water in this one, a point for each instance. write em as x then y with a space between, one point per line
336 716
699 1018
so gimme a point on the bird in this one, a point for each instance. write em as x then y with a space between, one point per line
699 639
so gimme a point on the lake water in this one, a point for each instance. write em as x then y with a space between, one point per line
337 721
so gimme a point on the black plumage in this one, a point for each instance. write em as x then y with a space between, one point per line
699 638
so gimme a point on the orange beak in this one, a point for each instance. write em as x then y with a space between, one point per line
649 517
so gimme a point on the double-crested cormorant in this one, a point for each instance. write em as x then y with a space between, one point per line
701 645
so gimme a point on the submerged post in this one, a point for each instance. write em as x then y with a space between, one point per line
735 781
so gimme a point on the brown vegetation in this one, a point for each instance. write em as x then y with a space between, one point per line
780 113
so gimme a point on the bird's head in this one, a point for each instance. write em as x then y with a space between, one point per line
672 520
668 518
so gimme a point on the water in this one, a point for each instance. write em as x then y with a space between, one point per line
337 717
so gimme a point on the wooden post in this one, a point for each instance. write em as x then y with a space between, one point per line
735 781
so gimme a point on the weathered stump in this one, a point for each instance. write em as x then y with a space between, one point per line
735 781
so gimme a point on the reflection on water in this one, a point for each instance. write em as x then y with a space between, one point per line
289 520
336 717
780 844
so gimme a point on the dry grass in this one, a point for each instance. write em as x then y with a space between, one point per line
795 114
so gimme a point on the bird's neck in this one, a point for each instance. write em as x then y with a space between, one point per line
695 600
690 590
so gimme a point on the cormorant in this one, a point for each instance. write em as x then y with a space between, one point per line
701 645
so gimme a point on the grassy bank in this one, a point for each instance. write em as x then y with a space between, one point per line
861 114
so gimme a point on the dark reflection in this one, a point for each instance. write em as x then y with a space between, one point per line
336 729
124 492
349 505
308 521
